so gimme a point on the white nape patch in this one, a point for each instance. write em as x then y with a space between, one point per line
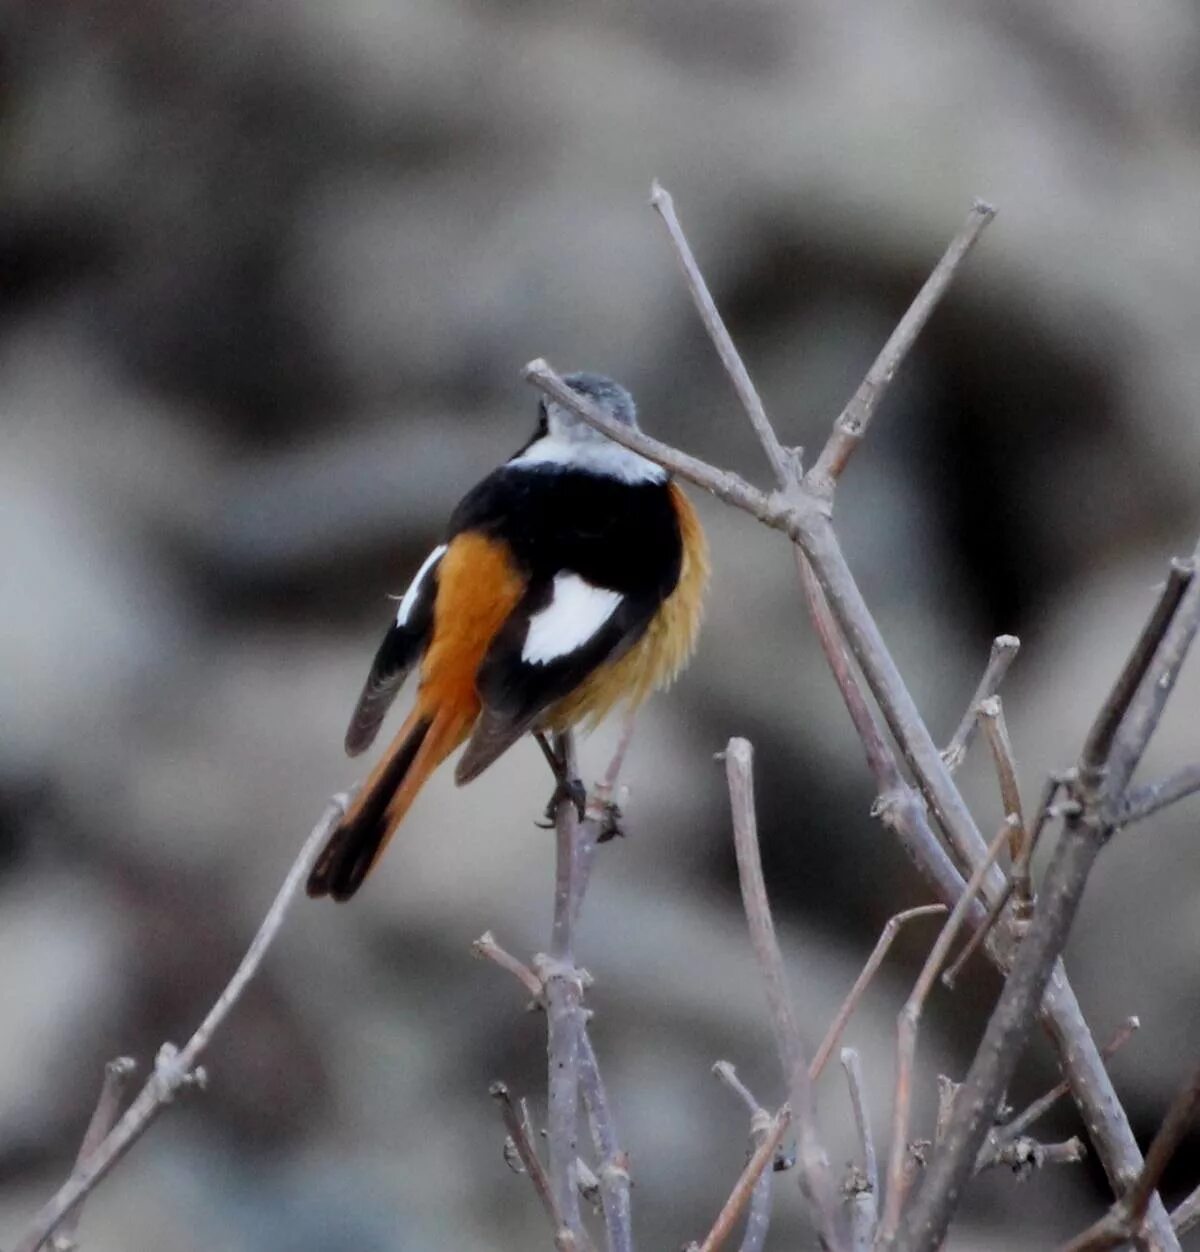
409 598
575 613
599 456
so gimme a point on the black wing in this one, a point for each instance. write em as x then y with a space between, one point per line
400 650
600 556
517 690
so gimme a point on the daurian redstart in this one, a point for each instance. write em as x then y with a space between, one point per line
570 580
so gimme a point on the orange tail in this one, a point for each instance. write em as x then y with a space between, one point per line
422 744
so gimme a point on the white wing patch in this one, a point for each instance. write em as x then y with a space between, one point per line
409 599
600 456
576 611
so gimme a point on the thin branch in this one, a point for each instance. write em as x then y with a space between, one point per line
854 1081
1003 654
1187 1216
1124 1220
173 1069
728 1075
777 456
851 426
815 534
1053 785
518 1132
886 938
612 1161
764 1154
601 796
864 1198
978 937
995 729
1141 802
880 758
487 949
1020 882
1038 1108
117 1074
1181 1116
907 1025
758 1214
724 484
1100 742
739 769
898 805
574 844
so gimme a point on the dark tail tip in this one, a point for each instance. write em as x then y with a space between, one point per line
344 863
351 850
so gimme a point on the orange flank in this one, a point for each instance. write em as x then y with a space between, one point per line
658 656
478 587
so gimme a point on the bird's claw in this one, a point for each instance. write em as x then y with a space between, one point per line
568 789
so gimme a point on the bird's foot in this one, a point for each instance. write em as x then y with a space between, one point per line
566 788
570 790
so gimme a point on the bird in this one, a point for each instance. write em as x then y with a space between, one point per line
569 580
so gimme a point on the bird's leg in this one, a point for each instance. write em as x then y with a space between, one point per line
565 787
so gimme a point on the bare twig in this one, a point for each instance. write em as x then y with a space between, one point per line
995 729
1141 802
777 456
574 845
744 1187
851 426
518 1131
1004 652
487 949
1020 882
1102 738
907 1026
612 1162
758 1214
898 805
173 1069
108 1107
864 1201
814 1172
978 937
886 937
728 1075
1124 1220
1038 1108
601 796
724 484
1187 1216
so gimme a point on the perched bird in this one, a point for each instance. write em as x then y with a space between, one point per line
570 580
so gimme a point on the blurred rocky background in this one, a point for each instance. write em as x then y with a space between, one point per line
268 273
